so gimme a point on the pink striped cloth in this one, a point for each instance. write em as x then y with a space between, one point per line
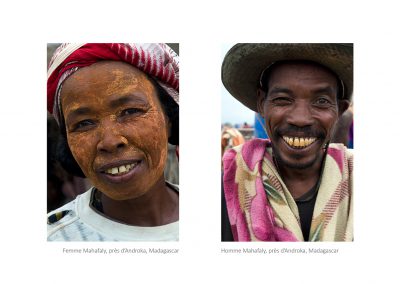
261 208
156 59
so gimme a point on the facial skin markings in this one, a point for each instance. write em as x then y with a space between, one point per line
113 130
119 84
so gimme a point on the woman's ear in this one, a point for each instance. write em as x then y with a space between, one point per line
169 128
169 125
261 96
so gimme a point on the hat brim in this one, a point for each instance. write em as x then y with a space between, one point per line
245 62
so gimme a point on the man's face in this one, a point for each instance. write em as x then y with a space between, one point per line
300 111
116 128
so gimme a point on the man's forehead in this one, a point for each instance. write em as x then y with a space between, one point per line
292 70
298 66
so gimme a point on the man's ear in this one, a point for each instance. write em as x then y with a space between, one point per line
261 96
343 106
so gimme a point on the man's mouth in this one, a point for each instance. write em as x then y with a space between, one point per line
299 142
121 170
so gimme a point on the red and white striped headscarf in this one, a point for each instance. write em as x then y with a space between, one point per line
156 59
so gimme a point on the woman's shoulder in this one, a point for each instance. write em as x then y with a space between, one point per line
173 186
60 214
76 221
61 218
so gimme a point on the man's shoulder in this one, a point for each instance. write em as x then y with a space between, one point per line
251 152
253 144
342 148
342 155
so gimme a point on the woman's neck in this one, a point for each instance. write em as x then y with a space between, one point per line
158 206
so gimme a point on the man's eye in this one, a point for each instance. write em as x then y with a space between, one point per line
322 102
282 101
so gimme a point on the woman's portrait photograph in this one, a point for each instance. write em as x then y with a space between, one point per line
113 136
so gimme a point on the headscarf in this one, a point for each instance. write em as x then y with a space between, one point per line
155 59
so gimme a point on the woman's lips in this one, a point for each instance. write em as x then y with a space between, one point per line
119 172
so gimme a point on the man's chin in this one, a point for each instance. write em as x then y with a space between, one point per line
296 165
296 162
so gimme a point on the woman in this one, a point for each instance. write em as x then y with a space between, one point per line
117 107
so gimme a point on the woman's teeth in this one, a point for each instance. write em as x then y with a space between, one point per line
121 169
299 142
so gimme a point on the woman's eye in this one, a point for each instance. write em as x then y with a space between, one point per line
130 111
83 124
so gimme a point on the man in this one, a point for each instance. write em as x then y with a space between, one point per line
297 186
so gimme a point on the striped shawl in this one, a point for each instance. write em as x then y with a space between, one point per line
261 208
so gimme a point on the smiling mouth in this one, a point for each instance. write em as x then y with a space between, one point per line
120 170
299 142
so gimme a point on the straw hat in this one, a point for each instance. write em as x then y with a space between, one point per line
245 62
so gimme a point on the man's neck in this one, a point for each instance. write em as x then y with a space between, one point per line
300 181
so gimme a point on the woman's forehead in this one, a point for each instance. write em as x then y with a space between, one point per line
109 70
106 87
104 79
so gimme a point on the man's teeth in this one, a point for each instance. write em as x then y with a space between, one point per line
299 142
121 169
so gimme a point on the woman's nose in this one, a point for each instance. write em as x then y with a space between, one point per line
111 140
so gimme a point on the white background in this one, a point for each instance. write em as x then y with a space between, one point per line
201 28
233 111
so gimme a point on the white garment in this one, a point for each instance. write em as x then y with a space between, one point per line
82 223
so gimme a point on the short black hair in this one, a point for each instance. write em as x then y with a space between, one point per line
265 76
170 108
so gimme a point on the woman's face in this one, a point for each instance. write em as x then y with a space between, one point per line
116 129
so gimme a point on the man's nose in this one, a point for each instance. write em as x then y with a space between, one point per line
111 139
300 115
